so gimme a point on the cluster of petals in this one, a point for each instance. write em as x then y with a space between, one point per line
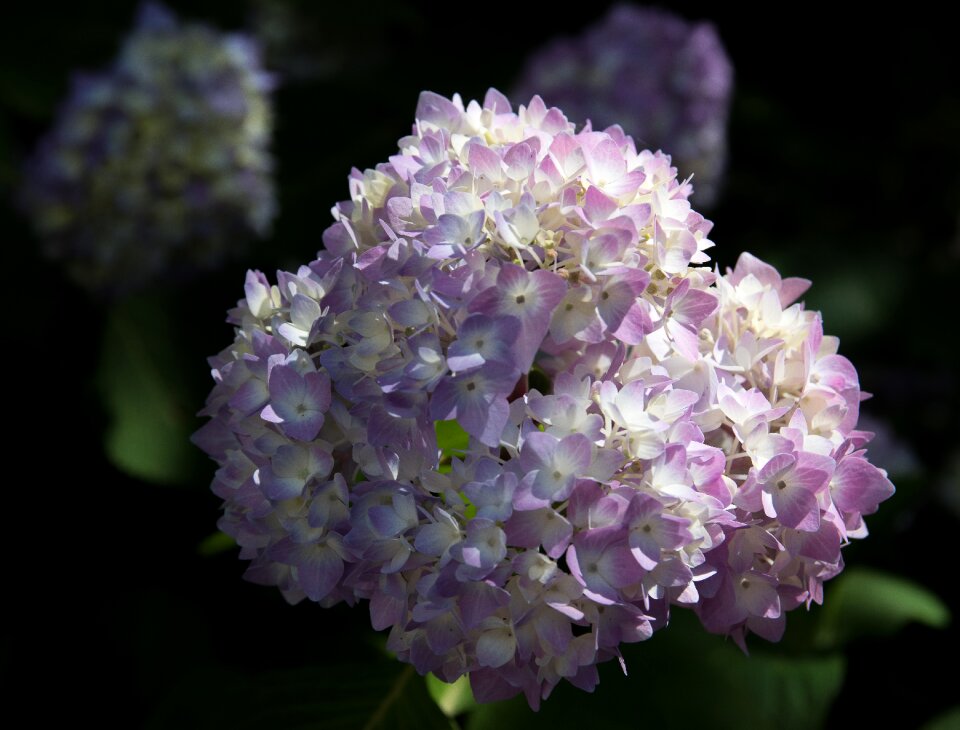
160 162
666 81
641 433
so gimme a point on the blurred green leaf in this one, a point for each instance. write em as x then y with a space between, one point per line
453 698
865 602
949 720
141 378
215 544
683 661
850 300
345 696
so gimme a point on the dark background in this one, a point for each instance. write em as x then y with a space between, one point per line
844 167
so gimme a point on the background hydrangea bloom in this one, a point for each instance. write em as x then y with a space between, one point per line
696 446
667 82
159 162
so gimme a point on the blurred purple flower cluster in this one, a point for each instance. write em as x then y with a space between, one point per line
639 432
161 162
667 82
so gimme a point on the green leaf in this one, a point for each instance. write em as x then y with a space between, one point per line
215 544
539 380
949 720
452 441
368 695
454 699
865 602
141 378
731 690
451 438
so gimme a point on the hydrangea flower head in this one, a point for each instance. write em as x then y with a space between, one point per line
695 447
160 162
666 81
